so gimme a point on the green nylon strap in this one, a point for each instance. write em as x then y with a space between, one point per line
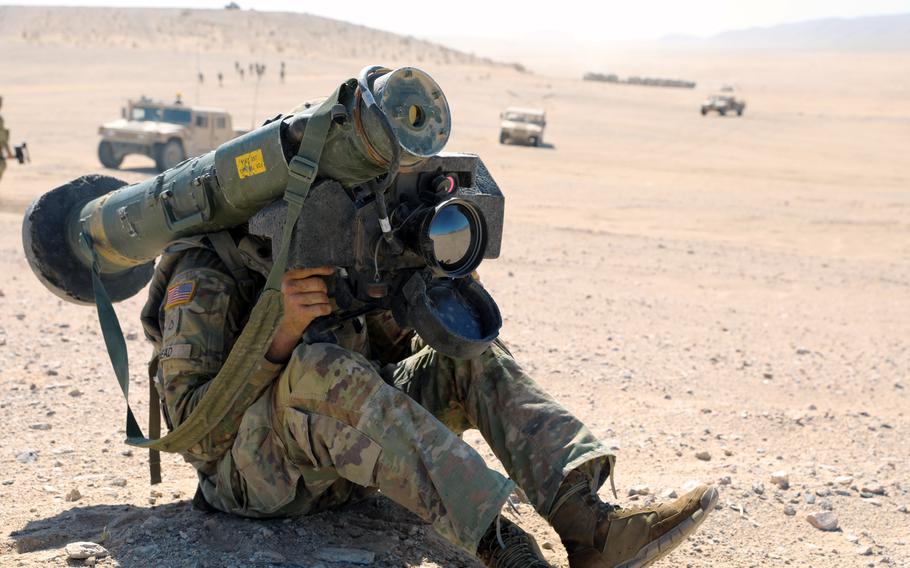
231 389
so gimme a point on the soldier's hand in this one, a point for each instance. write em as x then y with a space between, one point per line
305 299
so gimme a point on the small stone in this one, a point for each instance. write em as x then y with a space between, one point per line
266 532
75 393
82 550
781 479
127 453
690 485
810 499
725 480
547 545
268 557
27 456
668 494
851 538
703 455
864 550
349 555
73 495
50 489
789 511
843 480
758 488
132 336
823 520
90 561
873 489
40 426
903 509
639 490
118 482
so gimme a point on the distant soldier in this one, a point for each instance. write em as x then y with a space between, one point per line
201 78
281 73
220 79
5 152
178 100
241 73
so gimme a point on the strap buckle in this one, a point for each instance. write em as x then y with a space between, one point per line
303 169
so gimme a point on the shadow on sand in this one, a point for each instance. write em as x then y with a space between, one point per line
176 534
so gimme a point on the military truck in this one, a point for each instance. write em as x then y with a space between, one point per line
167 133
522 126
723 104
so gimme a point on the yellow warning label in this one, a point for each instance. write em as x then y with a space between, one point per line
250 164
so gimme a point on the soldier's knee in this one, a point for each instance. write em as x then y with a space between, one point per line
325 369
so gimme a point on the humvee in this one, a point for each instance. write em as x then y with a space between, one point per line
167 133
723 104
522 125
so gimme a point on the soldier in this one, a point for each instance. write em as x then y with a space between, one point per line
220 79
379 409
5 152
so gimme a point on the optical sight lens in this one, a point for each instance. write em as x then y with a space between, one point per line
450 231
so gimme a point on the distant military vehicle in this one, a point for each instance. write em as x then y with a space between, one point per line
522 125
167 133
723 104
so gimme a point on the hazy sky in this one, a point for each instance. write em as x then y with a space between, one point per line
587 20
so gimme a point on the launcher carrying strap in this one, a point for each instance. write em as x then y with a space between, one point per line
227 392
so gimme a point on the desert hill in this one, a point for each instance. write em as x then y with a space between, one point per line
224 31
872 33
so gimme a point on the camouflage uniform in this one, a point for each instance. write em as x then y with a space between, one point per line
4 146
377 409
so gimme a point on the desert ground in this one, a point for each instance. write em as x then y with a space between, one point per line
737 288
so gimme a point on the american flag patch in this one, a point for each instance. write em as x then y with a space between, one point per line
180 294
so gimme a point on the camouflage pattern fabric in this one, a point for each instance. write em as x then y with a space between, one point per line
341 420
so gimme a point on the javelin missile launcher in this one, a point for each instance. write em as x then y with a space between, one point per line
404 224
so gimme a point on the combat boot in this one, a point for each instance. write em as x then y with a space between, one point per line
505 545
600 535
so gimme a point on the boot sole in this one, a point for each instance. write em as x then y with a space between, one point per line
659 548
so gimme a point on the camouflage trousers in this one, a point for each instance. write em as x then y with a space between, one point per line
2 167
334 426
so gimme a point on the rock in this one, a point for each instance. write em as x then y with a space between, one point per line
903 509
27 456
82 550
73 495
668 494
152 523
781 479
810 499
843 480
348 555
639 490
118 482
864 550
851 538
758 488
547 545
40 426
873 489
146 551
690 485
75 393
703 455
127 453
789 511
823 520
268 557
725 480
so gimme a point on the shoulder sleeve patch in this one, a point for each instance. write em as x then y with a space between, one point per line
180 293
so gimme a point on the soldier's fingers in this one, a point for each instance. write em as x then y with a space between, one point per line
316 310
300 273
312 284
308 298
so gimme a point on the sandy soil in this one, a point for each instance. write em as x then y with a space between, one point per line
736 286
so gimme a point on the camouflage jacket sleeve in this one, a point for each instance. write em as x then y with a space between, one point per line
201 317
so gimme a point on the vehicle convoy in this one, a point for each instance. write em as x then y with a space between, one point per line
167 133
723 104
522 126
